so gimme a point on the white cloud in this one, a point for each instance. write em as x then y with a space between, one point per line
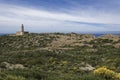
22 13
11 15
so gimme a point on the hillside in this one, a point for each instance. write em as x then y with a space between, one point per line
58 56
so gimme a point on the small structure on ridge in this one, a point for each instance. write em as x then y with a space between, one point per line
22 32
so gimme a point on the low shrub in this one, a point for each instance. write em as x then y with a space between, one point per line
106 73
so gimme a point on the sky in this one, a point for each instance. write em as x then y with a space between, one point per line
59 15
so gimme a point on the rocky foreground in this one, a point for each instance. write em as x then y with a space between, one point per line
58 56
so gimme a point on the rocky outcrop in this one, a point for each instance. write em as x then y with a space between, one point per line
87 37
117 45
7 65
110 37
83 36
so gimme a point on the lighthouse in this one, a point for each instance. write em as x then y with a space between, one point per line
22 28
22 32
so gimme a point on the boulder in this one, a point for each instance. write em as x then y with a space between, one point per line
86 67
7 65
117 45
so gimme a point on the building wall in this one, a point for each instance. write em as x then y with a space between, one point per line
21 33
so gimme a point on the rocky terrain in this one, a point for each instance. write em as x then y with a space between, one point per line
57 56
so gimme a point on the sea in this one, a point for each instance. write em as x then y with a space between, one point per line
2 34
97 34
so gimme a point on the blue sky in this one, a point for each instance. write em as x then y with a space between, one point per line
59 15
